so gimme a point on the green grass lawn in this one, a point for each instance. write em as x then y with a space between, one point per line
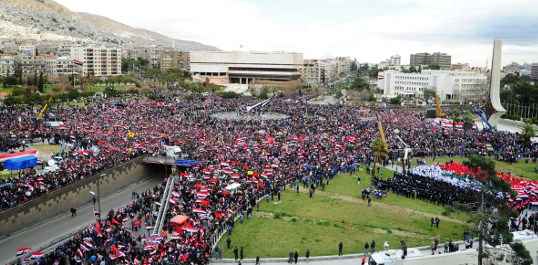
338 214
521 169
5 174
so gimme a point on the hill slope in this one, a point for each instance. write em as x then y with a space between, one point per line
46 20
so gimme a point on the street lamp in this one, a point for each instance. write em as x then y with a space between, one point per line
96 197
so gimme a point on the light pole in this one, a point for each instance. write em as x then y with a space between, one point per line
97 197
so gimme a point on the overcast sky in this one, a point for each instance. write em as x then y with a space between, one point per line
369 30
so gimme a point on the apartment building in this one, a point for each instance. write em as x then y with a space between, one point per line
98 61
437 59
313 73
174 60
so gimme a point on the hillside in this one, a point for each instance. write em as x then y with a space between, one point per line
48 21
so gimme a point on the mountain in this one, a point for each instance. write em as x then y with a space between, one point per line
48 21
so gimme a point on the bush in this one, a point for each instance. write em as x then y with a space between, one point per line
12 100
111 92
229 94
522 253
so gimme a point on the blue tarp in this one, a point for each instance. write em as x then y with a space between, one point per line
186 163
20 163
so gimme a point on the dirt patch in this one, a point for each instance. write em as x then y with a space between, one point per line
394 232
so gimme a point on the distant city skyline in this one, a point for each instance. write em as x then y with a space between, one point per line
370 31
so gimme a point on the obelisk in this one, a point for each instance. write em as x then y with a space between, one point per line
495 86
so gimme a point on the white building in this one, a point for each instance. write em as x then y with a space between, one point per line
448 85
237 67
98 61
7 66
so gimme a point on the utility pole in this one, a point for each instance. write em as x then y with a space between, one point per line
99 195
480 227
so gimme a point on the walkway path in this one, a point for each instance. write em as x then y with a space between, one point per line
423 257
58 228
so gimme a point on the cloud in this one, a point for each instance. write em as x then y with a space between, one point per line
368 30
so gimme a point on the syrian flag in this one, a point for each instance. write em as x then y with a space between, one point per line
27 153
149 246
37 255
23 250
199 211
88 242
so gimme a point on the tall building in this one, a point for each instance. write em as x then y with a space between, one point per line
152 54
7 66
437 59
448 85
343 66
30 66
237 67
312 73
98 61
534 71
174 60
395 60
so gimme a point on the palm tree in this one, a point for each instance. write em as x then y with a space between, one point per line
380 150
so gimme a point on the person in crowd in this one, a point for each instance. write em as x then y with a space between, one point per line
262 157
236 254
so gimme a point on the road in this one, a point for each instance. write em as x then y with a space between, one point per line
51 230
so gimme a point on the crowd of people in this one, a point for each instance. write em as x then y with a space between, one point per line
260 156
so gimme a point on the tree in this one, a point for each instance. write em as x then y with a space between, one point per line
396 100
373 72
527 133
412 69
429 93
509 80
523 256
41 83
359 84
468 121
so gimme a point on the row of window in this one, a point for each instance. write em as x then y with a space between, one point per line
411 83
411 78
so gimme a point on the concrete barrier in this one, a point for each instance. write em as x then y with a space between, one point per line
72 196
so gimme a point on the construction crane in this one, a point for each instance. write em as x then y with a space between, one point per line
381 133
41 113
438 111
